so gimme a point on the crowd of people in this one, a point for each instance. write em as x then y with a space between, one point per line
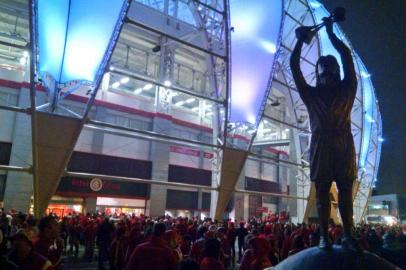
140 242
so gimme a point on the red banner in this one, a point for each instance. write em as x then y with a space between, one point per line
189 152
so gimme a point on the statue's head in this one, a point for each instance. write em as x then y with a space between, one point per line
327 71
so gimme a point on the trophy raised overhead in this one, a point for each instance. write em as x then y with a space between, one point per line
307 32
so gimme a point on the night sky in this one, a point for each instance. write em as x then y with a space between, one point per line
377 31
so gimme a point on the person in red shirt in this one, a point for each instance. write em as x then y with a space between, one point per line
117 250
261 249
297 245
133 239
153 254
287 243
90 239
211 256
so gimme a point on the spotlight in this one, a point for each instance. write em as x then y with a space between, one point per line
115 85
156 49
148 86
275 103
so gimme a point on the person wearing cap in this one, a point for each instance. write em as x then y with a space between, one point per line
24 256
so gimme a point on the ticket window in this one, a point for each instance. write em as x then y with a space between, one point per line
117 206
120 210
62 210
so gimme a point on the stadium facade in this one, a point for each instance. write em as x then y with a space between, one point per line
183 87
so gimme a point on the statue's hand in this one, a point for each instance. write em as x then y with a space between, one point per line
303 33
329 23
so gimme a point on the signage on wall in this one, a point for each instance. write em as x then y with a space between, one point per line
262 209
97 187
96 184
189 152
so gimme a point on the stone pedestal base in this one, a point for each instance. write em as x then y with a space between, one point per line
337 258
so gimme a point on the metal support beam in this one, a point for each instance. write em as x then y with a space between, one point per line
149 133
208 7
15 168
178 89
278 195
33 54
287 124
156 31
14 109
22 47
143 137
137 180
278 160
175 184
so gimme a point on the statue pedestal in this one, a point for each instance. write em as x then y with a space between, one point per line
337 258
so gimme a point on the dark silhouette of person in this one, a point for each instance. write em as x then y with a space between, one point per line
332 152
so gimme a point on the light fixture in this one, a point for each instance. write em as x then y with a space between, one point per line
266 121
209 113
380 139
179 103
174 94
115 85
275 103
167 83
156 49
286 130
148 86
269 46
124 80
138 91
190 100
23 61
195 109
208 106
314 4
369 118
111 68
365 74
251 118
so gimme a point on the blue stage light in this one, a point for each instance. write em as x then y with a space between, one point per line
254 43
73 36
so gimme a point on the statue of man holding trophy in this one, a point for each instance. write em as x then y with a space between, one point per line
329 104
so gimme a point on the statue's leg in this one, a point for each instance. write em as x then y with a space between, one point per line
323 209
345 205
346 211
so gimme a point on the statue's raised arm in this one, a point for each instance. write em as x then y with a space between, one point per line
350 78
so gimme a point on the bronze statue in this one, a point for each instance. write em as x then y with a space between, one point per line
329 104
